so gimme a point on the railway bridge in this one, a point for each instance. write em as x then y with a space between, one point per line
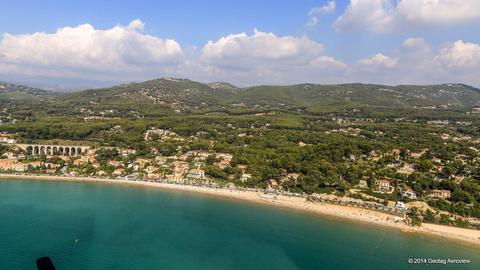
47 149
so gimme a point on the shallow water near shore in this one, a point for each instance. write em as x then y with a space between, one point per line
99 226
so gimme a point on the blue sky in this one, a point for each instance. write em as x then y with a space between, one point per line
317 41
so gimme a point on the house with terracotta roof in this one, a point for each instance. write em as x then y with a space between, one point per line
408 193
12 165
35 164
407 169
272 184
383 186
78 162
115 163
440 193
290 177
222 164
119 171
418 154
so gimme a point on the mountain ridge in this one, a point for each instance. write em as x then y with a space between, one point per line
175 95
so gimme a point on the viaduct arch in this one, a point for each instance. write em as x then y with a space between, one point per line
41 149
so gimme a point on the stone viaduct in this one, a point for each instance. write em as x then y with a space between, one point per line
46 149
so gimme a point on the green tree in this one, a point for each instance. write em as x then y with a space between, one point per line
429 216
461 196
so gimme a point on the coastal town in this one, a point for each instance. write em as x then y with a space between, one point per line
402 195
240 135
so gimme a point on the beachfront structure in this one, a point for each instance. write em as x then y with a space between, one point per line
400 205
119 171
46 149
12 165
174 177
196 174
272 184
290 177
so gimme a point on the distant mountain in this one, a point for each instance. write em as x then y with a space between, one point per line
55 83
315 97
160 95
170 95
223 85
18 93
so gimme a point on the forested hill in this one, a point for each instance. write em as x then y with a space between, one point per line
183 96
165 94
19 101
315 97
15 93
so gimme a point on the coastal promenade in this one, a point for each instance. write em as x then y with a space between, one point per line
296 202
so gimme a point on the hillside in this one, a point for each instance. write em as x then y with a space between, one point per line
19 101
317 98
19 93
155 96
182 96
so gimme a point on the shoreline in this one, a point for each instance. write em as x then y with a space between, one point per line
466 236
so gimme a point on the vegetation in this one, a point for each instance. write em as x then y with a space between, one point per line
332 139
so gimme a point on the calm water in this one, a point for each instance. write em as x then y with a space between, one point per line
121 227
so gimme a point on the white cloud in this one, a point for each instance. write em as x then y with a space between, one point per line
327 62
460 56
327 8
372 15
416 63
415 53
416 44
312 21
265 58
438 11
378 60
124 53
261 48
83 48
262 57
388 15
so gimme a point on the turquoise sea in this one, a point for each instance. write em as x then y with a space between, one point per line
101 226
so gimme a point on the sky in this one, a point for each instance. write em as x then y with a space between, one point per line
242 42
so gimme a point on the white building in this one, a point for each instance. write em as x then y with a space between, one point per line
400 205
245 177
196 174
408 193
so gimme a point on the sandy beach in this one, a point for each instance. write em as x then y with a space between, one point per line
345 212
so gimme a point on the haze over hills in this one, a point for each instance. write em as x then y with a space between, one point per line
57 84
15 93
169 95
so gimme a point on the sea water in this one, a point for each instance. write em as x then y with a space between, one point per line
105 226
